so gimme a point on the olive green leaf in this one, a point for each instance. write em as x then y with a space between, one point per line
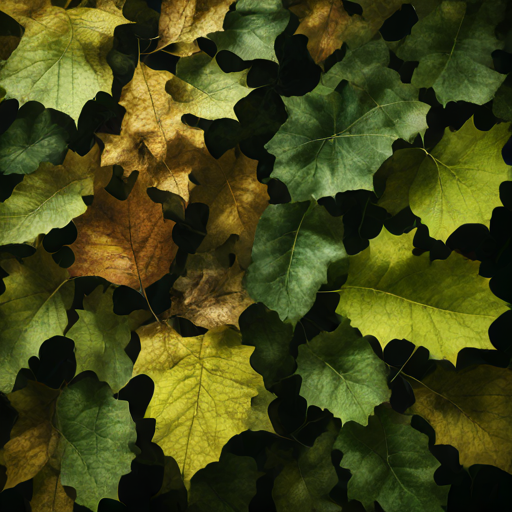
97 438
294 245
470 410
225 486
390 463
204 386
49 198
444 305
340 372
251 30
31 140
262 328
502 103
32 309
100 338
205 90
318 149
454 46
61 60
304 482
456 183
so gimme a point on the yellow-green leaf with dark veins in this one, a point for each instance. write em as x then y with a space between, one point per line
456 183
49 198
61 60
205 90
100 338
444 305
32 309
470 410
341 372
204 386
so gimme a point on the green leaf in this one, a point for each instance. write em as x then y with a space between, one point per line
61 60
305 480
204 90
456 183
97 436
31 140
225 486
294 245
390 463
100 338
340 372
49 198
318 149
444 305
470 410
262 328
454 46
251 30
502 104
32 309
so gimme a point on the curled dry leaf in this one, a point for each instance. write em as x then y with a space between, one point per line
126 242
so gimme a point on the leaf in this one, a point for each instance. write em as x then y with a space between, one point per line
32 309
203 391
293 247
183 21
262 328
49 494
82 431
327 25
318 148
236 200
205 90
470 410
304 483
501 105
341 373
126 242
49 198
443 305
456 183
100 337
30 141
73 67
391 464
225 486
454 46
210 294
251 30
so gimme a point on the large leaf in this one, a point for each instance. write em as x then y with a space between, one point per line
83 432
73 67
342 373
318 149
100 337
32 309
31 140
471 410
456 183
251 30
49 198
205 90
454 46
236 200
203 391
294 245
126 242
390 463
444 305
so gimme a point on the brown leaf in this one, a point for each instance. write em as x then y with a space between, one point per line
210 294
327 25
153 139
236 200
7 45
49 494
22 10
183 21
126 242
